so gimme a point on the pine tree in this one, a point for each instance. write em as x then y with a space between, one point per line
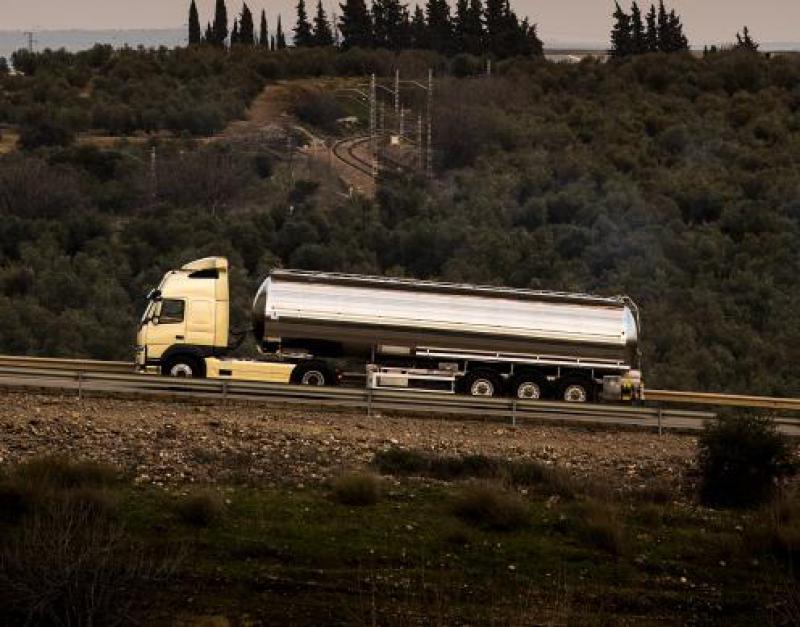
220 23
235 33
323 36
638 33
621 35
209 36
460 26
246 27
355 24
302 30
280 38
494 18
652 30
195 36
388 28
419 30
745 42
263 38
531 45
473 29
440 26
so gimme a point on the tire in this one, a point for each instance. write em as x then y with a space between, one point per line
482 383
576 390
314 373
528 386
184 366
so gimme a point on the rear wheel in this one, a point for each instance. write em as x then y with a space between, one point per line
576 391
528 386
314 373
482 383
184 367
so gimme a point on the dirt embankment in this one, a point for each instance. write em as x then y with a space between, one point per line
166 442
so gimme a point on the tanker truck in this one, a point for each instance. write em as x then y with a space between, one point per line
311 327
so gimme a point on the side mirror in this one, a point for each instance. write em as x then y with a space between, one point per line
154 320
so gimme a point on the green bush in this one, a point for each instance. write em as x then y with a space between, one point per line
489 505
202 509
741 459
356 488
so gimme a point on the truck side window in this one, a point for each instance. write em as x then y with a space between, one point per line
171 311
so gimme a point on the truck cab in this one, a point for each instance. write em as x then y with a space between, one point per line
186 320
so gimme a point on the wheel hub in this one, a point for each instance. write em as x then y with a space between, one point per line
530 390
313 377
181 370
482 387
575 394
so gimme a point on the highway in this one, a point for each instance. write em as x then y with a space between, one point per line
99 377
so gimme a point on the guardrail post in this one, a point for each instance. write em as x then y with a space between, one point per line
80 385
369 402
659 419
514 412
224 392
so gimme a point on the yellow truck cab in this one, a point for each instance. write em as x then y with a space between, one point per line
186 319
184 331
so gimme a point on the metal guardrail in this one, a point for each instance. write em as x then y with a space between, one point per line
118 377
730 400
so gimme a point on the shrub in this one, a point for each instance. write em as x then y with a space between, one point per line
602 528
319 109
741 459
398 461
57 472
489 505
357 488
202 509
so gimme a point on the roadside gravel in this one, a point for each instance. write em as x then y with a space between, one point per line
176 442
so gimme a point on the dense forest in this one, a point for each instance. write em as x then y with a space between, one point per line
668 177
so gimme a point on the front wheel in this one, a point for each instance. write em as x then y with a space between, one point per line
184 367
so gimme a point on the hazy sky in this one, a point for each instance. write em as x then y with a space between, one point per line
706 21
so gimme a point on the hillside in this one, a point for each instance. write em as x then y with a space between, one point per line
672 179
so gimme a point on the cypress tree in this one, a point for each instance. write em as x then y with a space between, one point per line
460 26
494 18
302 30
235 33
652 30
272 45
621 36
531 45
323 35
246 27
677 40
220 23
209 36
263 38
440 26
419 30
355 24
388 25
663 28
280 38
473 29
195 36
638 32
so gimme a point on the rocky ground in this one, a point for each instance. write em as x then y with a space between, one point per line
175 442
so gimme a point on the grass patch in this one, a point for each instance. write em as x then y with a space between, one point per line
356 489
59 473
201 509
489 505
601 526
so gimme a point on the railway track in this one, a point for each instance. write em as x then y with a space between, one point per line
344 150
83 376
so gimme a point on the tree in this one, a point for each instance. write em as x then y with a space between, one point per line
323 35
388 25
494 18
745 42
302 30
638 33
440 26
209 36
419 30
280 38
621 34
272 45
677 41
460 25
473 28
355 24
235 33
246 27
195 35
263 38
652 30
220 23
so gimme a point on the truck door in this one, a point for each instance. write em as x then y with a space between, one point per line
200 328
168 327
